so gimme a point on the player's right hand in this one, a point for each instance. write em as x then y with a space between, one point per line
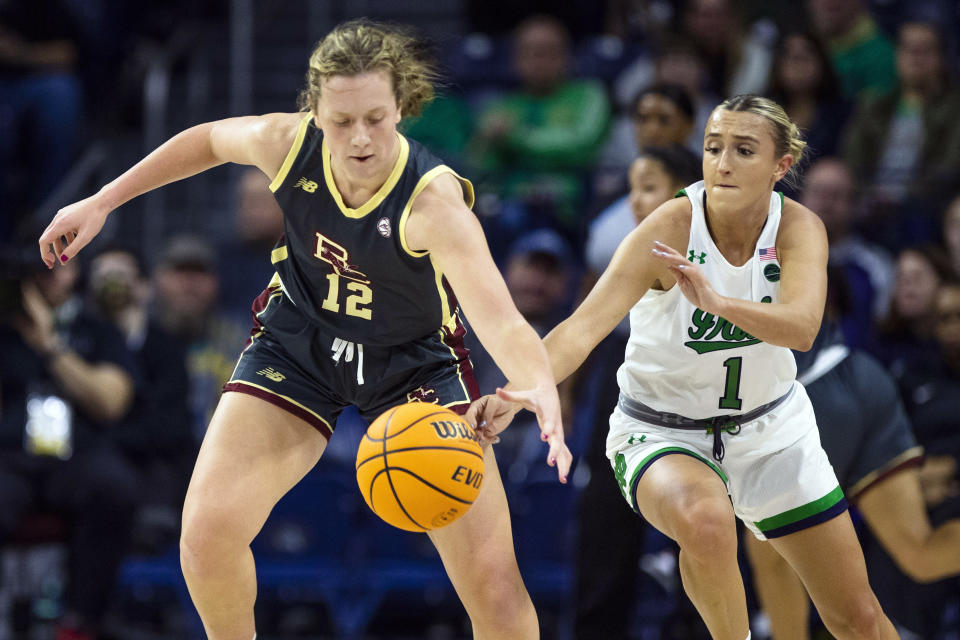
71 229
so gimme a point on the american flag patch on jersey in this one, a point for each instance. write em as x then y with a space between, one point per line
770 253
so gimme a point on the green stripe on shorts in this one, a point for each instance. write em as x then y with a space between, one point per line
799 513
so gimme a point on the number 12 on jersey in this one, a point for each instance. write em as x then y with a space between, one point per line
361 295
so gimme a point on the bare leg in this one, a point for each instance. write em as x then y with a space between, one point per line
252 454
687 501
779 590
828 559
895 511
477 552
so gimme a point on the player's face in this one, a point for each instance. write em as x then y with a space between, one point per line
740 164
359 116
650 186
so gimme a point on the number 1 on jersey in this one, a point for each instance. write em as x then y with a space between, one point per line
731 390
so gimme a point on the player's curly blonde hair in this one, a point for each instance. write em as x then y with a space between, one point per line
786 134
360 46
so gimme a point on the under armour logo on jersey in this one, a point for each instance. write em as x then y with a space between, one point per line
693 256
383 226
307 185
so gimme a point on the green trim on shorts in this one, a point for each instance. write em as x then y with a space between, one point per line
659 453
799 513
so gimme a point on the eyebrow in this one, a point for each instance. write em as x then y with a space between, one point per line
735 137
341 114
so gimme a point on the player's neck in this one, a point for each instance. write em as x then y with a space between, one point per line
356 187
735 232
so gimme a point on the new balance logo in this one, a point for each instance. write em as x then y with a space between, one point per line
307 185
702 258
272 374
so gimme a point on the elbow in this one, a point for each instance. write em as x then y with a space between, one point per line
115 404
806 335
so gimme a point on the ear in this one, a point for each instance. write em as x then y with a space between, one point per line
783 166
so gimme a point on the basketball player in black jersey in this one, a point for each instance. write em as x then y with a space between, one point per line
378 237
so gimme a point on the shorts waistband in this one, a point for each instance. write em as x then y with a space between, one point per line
639 411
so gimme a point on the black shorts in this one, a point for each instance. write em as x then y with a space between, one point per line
863 426
297 366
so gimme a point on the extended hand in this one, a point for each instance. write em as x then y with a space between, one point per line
71 229
691 280
545 404
490 415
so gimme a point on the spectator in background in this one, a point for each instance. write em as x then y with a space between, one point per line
537 143
66 380
656 174
258 224
803 81
951 234
539 274
862 56
609 552
930 389
904 146
829 191
445 126
157 434
905 339
40 104
187 293
660 115
737 57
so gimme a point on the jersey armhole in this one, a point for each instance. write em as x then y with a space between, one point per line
426 179
291 154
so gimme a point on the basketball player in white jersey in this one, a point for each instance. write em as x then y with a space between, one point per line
711 424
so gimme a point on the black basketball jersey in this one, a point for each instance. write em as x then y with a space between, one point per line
349 270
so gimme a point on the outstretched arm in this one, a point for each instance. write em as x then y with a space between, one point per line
442 224
262 141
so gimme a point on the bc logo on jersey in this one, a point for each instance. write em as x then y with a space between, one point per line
338 258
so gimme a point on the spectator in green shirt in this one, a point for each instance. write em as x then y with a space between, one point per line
862 56
535 144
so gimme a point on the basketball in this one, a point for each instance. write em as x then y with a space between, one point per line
419 466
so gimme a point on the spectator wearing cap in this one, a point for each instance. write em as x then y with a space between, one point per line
157 435
539 272
66 381
187 285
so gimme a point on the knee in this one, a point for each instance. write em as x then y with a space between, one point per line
706 530
860 618
204 542
499 605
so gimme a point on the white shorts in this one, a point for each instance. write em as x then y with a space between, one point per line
776 473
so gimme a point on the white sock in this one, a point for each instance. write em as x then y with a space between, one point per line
747 638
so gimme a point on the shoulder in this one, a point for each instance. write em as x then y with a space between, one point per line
277 129
673 215
440 193
797 220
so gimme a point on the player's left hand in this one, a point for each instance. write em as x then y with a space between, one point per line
691 280
545 404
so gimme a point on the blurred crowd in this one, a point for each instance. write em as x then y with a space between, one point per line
573 125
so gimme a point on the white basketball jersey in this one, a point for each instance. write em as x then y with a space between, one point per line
682 360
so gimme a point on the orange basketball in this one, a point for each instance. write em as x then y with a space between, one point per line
419 466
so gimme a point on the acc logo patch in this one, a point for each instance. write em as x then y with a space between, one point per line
383 226
772 272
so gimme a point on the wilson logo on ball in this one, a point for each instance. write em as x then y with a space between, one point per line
446 429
